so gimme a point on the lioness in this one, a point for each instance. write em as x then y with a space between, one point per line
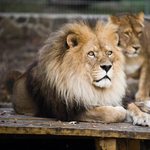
78 75
134 38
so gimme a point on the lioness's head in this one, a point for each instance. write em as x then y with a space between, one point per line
130 32
82 60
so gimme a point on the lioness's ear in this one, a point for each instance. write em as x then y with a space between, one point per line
72 40
113 19
140 17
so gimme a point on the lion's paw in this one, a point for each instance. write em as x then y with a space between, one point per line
144 106
142 119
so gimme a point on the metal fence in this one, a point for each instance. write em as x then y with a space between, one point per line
75 6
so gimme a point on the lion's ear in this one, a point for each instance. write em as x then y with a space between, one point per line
72 40
116 38
140 17
113 19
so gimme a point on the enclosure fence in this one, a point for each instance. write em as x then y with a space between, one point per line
75 6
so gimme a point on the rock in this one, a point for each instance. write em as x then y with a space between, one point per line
15 25
32 20
21 20
41 31
1 18
45 21
9 29
58 22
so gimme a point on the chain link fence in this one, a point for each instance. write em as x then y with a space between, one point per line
75 6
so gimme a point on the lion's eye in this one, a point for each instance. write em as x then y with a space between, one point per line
91 54
127 33
109 53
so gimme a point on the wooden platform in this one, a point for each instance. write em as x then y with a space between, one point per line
105 135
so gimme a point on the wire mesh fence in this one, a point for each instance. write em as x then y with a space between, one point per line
75 6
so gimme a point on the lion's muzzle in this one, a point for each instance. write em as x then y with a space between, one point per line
102 79
105 77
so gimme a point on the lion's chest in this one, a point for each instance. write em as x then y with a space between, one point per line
133 64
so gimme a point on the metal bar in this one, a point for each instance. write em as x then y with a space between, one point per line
147 7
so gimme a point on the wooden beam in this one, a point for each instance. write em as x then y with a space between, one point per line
12 123
106 144
128 144
134 144
97 144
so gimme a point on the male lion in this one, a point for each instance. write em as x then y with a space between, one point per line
77 75
134 37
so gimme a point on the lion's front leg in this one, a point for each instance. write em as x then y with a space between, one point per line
104 114
137 116
144 84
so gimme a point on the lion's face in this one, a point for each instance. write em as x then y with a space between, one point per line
99 58
130 32
96 57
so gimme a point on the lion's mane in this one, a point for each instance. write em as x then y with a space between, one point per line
56 80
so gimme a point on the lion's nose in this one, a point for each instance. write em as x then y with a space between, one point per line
136 47
106 67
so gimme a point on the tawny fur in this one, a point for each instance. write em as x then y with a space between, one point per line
70 75
134 39
10 80
65 80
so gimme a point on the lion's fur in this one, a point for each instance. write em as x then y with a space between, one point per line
68 75
137 63
61 82
10 80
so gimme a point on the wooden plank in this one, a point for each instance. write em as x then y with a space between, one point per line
134 144
108 144
97 143
119 144
11 123
105 144
128 144
123 144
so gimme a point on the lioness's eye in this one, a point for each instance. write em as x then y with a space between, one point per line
91 54
109 53
140 33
